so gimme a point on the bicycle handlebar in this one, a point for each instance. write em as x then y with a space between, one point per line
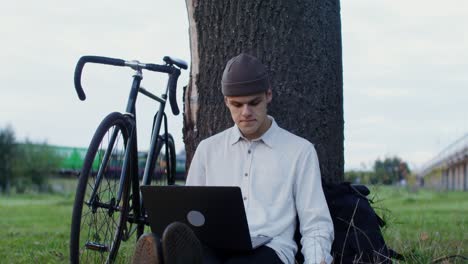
173 72
93 59
172 83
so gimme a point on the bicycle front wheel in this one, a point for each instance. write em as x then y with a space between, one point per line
99 216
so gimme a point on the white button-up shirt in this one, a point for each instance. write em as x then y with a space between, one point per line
279 177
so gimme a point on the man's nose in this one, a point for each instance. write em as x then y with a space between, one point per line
246 111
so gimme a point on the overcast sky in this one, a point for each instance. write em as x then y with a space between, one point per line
405 69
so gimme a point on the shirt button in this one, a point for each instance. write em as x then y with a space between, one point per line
245 198
246 174
249 151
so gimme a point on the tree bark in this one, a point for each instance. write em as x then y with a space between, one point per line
300 43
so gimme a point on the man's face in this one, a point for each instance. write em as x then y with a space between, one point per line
250 113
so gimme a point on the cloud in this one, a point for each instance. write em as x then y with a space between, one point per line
42 43
405 80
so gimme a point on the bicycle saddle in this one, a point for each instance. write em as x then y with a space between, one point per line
178 62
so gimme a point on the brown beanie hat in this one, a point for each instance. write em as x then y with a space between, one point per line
244 75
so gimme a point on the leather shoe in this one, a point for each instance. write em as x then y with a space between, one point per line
147 250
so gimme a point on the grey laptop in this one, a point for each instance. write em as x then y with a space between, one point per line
215 214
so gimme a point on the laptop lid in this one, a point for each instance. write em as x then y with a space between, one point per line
215 214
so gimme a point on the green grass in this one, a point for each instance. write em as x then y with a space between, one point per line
424 226
35 228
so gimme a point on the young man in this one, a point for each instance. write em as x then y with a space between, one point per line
278 174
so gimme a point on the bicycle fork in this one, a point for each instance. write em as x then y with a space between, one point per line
113 204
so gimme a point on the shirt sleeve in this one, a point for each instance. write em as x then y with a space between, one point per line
197 172
316 225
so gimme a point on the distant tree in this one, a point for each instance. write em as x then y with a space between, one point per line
352 176
359 176
7 154
34 163
390 171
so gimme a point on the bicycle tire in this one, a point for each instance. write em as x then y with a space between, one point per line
164 172
96 231
165 169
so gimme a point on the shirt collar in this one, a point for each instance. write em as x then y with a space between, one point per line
267 137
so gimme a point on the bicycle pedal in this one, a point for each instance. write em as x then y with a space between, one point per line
96 247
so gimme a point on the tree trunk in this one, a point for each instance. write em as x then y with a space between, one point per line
300 43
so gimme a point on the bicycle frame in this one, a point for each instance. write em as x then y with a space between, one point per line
131 144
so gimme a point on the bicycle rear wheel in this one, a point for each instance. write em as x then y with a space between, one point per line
99 216
165 168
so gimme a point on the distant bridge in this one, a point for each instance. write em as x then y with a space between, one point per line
449 169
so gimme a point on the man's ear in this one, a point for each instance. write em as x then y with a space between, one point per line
269 95
225 100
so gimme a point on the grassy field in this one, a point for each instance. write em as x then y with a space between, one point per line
35 228
422 225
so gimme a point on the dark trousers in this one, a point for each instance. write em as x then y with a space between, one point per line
262 254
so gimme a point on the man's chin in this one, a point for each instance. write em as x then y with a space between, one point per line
247 132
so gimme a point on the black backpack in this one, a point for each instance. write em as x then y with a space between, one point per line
358 238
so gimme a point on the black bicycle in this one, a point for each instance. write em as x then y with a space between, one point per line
108 207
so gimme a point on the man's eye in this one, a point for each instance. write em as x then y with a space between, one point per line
254 103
